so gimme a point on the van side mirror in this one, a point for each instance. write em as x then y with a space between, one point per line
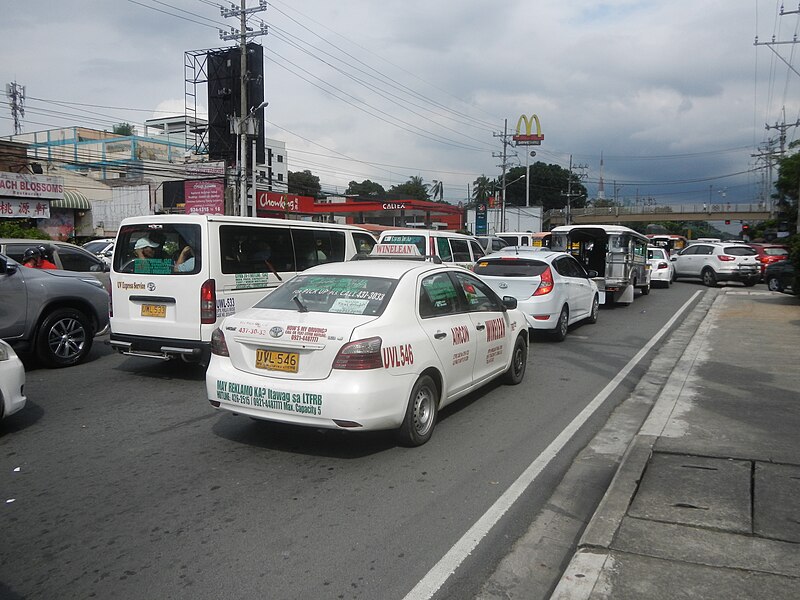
509 302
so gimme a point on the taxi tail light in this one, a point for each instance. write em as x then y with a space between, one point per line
208 302
218 344
546 283
360 355
663 265
725 258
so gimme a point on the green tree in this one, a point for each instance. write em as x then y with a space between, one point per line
304 183
414 188
124 129
365 188
788 185
548 184
21 228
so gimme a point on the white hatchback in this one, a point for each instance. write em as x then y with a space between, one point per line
366 345
12 381
552 288
662 271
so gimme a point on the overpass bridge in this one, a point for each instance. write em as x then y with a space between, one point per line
621 215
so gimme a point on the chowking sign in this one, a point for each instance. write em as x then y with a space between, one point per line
527 138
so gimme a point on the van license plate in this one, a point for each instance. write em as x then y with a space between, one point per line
277 361
154 310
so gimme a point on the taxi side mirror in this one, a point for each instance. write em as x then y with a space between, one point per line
592 274
509 302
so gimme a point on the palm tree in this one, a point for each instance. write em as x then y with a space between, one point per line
436 190
482 188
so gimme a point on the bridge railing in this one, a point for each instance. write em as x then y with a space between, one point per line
716 209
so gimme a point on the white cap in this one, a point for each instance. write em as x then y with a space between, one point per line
144 242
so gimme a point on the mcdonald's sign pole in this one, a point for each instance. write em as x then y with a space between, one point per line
528 139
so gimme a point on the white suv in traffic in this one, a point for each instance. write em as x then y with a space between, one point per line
718 261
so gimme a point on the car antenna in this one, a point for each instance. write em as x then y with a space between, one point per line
300 306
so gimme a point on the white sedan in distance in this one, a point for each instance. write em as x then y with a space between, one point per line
662 271
12 381
379 343
552 288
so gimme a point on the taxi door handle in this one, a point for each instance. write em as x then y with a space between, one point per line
480 327
439 335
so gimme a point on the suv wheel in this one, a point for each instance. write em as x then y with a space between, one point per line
709 277
64 338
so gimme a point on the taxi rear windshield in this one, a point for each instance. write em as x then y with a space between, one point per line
510 267
158 249
345 294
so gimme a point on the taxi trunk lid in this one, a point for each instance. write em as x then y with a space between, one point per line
288 345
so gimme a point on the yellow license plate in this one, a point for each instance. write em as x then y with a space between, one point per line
154 310
277 361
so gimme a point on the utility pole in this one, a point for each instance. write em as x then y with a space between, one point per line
504 166
16 96
244 124
568 211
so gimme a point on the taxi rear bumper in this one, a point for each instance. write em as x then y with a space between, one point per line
356 400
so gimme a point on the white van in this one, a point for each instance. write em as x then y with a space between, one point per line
175 277
450 246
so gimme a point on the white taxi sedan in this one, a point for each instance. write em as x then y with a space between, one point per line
12 381
367 345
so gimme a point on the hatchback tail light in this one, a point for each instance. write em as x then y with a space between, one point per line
546 283
218 344
208 302
725 258
360 355
663 265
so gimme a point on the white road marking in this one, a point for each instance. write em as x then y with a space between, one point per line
447 565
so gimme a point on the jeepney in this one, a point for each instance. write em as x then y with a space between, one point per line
616 252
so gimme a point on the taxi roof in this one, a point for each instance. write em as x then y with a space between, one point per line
391 268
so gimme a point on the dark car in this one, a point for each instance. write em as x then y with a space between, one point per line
53 314
779 276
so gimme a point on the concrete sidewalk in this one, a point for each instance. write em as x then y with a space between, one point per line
706 502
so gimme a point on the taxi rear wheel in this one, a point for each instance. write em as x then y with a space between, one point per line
421 413
519 360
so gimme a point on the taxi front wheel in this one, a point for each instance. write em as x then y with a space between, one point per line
421 413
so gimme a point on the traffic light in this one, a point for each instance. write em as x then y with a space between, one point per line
745 230
727 221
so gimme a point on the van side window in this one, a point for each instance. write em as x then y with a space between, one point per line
477 251
443 248
317 247
255 249
364 242
460 250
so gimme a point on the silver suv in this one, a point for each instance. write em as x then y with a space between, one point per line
53 313
718 261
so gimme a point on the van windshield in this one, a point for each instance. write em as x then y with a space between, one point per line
158 249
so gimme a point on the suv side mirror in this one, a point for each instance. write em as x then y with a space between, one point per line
7 267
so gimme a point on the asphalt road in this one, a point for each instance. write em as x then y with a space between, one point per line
126 484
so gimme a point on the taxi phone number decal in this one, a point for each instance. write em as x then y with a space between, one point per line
248 395
398 356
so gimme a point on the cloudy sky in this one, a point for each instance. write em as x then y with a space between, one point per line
673 93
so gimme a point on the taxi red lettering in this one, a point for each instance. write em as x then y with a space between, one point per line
460 334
